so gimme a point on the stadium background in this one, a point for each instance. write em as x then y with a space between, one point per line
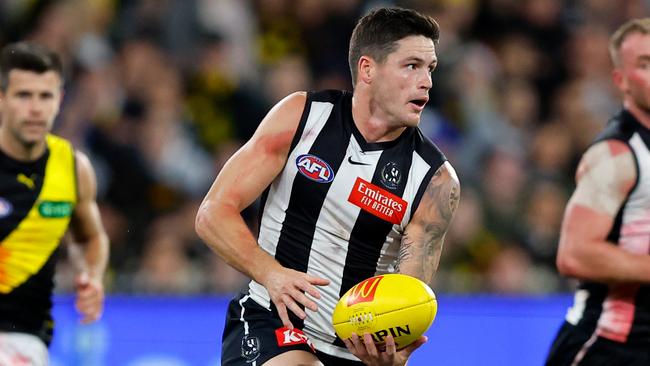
160 93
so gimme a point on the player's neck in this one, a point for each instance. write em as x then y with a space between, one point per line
374 127
642 115
19 151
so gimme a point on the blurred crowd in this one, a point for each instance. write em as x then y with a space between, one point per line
159 93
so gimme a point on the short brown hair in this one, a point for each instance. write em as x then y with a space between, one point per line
641 25
377 32
27 56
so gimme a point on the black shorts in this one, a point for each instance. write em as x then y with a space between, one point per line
572 340
253 335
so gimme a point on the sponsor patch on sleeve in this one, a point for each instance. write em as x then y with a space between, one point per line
377 201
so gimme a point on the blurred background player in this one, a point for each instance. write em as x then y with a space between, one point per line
45 187
350 188
605 238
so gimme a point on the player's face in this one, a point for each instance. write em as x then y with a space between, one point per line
30 104
401 88
635 70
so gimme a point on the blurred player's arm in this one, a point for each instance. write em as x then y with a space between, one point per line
243 178
89 246
423 237
605 176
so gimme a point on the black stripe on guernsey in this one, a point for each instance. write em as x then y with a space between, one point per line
301 125
423 188
428 151
369 232
21 197
300 221
593 305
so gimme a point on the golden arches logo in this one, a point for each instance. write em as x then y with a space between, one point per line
364 291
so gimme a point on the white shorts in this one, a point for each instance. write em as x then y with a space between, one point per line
21 349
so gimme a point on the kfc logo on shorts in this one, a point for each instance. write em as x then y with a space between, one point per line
290 337
314 168
250 348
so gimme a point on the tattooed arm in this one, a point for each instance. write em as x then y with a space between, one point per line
423 237
606 174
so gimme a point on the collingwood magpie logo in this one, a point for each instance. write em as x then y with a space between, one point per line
391 175
250 348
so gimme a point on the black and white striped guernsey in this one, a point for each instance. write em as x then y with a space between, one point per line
339 207
621 312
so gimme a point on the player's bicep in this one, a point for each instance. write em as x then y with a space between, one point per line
605 176
423 237
253 167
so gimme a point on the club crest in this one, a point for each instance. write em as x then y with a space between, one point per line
250 348
391 175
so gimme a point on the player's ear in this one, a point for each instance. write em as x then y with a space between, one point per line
366 68
619 80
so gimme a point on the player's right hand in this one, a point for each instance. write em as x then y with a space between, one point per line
288 288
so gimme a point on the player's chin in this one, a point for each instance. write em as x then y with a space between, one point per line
412 120
33 137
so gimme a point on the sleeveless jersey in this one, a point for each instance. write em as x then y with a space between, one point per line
36 203
622 312
339 208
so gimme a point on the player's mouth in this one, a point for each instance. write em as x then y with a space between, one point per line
419 103
35 125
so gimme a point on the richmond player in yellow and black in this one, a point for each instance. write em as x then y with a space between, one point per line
46 187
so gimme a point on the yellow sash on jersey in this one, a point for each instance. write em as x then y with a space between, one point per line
27 248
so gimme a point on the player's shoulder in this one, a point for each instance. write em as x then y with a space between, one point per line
427 149
621 127
609 158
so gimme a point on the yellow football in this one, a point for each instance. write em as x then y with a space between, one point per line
390 304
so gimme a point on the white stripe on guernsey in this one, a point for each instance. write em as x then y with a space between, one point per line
577 311
333 350
280 192
390 250
330 245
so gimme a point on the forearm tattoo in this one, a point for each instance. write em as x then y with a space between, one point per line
422 241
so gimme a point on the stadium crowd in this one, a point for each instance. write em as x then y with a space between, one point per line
160 92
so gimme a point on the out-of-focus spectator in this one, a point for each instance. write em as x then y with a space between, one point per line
161 93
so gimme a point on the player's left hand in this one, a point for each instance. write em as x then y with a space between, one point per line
90 297
368 353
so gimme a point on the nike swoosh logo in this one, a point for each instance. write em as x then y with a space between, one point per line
356 162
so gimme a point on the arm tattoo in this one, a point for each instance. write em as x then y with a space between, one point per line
422 241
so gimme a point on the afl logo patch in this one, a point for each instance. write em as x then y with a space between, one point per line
391 175
5 208
314 168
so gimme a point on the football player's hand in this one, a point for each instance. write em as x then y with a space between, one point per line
288 288
368 353
90 297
